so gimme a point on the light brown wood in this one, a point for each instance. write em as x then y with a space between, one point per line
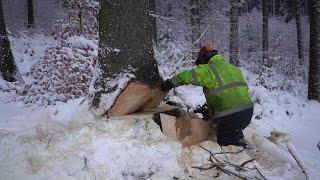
168 126
188 129
136 96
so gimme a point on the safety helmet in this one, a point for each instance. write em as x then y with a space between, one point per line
205 53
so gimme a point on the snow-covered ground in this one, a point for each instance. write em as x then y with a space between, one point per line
65 141
28 48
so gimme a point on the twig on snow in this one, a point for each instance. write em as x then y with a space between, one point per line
246 162
215 163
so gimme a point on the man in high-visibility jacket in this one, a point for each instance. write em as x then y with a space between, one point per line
226 92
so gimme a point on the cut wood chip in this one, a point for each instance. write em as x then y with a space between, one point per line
136 96
186 127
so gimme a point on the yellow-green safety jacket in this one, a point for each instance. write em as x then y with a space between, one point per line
224 86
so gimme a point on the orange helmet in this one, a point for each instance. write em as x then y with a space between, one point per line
205 53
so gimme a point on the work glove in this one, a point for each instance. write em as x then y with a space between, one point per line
166 85
204 110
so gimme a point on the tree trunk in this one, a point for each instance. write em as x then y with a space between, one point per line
265 36
7 65
277 8
234 14
30 14
126 33
299 29
195 20
314 65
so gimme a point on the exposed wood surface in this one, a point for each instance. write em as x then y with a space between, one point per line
136 96
188 128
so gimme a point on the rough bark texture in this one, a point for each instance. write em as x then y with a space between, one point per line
30 14
195 21
126 35
234 14
314 67
265 36
299 29
7 65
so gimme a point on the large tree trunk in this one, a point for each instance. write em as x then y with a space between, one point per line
265 36
30 14
234 14
314 69
7 65
126 35
299 29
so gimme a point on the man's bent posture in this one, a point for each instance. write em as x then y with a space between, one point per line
226 92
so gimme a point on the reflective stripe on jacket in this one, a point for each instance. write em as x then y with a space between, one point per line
223 84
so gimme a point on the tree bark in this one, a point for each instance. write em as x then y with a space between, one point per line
7 66
299 30
265 35
277 8
126 33
195 20
234 14
314 65
30 14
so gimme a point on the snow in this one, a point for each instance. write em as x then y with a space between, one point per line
67 140
29 48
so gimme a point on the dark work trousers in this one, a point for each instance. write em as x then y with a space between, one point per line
229 129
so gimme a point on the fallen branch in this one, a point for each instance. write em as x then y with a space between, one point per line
280 137
246 162
299 160
272 149
221 165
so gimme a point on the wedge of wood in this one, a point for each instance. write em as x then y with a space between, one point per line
136 97
186 128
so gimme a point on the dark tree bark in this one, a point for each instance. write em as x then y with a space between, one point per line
7 66
265 33
195 20
299 29
126 33
314 65
234 14
277 7
30 14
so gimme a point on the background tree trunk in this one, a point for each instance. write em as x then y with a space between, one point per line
277 8
30 14
126 33
195 21
265 36
314 67
299 29
7 65
234 14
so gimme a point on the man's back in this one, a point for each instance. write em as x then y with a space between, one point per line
224 85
